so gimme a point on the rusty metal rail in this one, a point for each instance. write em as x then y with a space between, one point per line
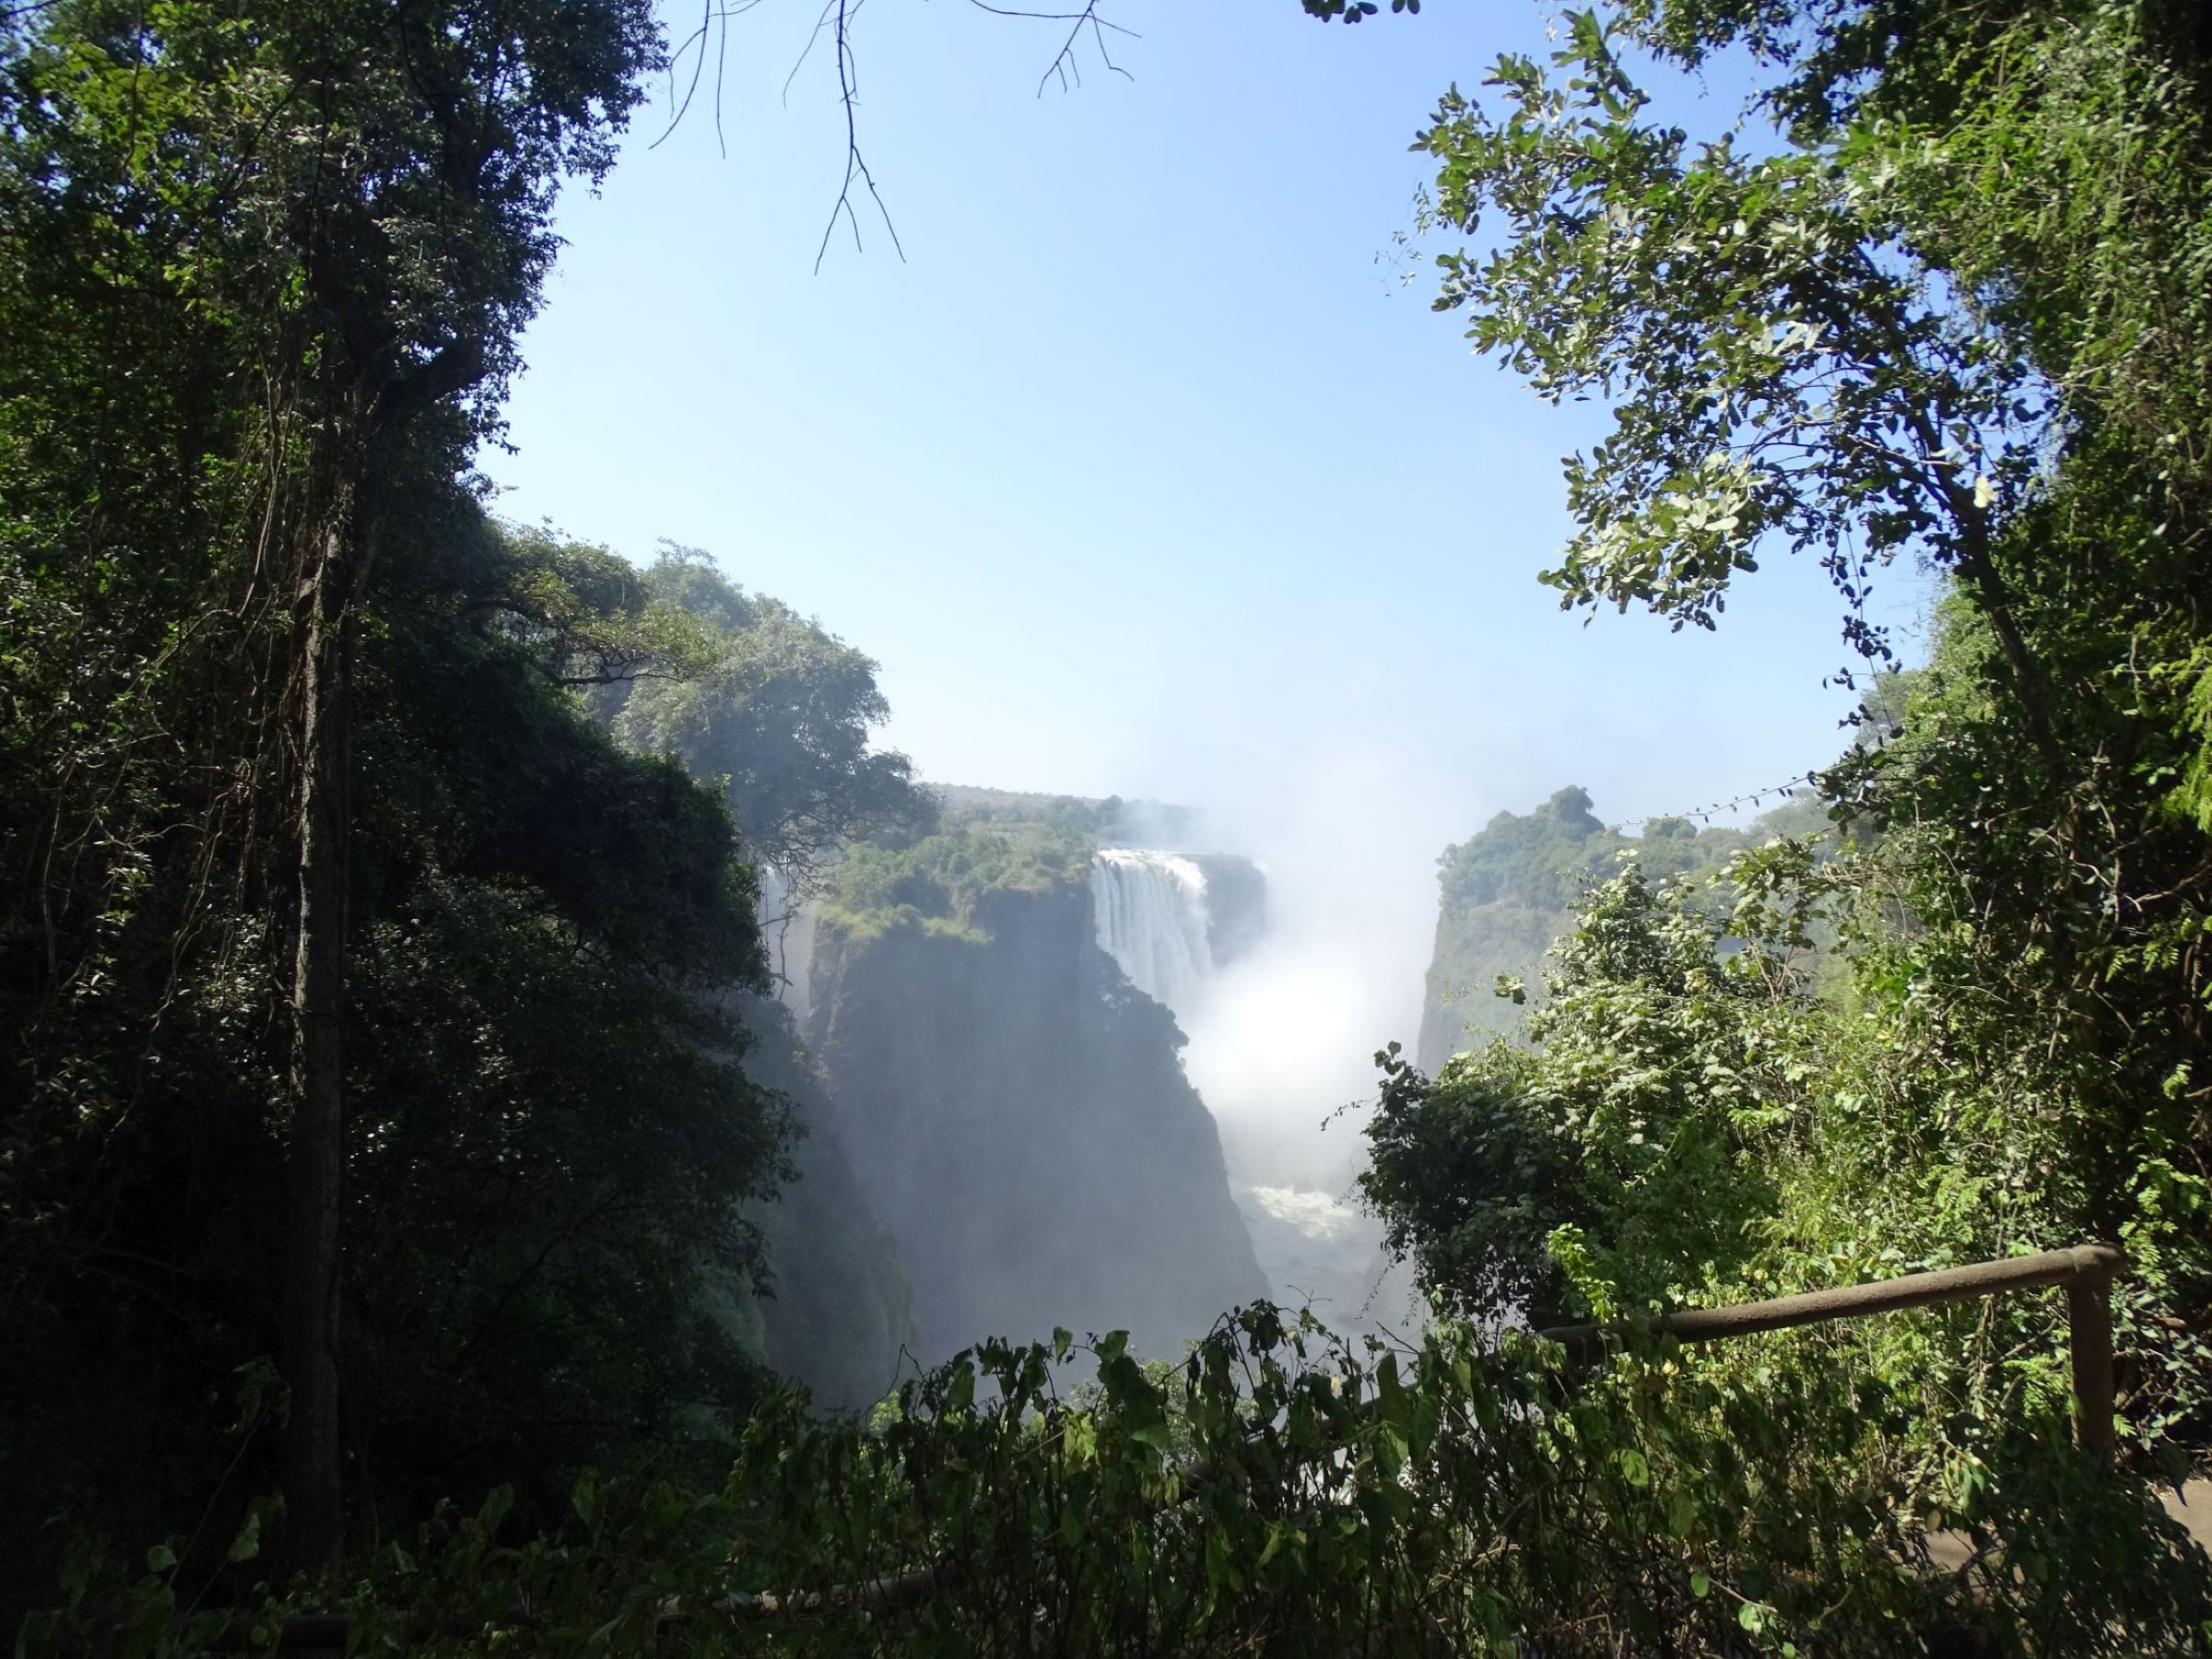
2087 1271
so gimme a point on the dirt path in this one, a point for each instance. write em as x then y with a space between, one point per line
2192 1506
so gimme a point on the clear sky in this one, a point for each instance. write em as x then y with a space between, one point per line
1142 473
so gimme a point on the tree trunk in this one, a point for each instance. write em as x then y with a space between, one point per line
313 1509
339 551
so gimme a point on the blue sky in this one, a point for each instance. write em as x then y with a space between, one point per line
1140 473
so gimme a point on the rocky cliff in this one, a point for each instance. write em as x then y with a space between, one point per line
1017 1114
1510 890
839 1312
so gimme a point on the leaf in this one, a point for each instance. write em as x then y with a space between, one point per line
247 1545
1427 1415
1155 1435
1081 1439
1701 1583
1391 1399
160 1558
496 1502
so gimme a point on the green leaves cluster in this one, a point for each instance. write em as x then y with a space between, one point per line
262 273
1283 1491
781 710
1780 372
1622 1159
945 882
1508 893
1938 294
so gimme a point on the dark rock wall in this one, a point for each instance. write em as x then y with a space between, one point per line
1236 904
1017 1114
839 1310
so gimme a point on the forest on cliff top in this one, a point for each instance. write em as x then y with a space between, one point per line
390 1093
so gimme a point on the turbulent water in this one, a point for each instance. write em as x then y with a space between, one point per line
1325 1253
1152 920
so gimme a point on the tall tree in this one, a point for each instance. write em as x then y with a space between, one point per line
1948 305
417 193
360 192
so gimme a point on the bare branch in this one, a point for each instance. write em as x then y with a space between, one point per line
856 166
714 24
836 19
1064 63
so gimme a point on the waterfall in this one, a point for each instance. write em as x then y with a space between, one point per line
1152 919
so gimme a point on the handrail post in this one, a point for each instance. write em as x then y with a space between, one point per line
2089 1342
2087 1271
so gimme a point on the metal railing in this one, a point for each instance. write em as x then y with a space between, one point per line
2087 1271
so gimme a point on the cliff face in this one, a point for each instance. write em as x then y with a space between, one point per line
1509 891
1015 1113
840 1310
843 1309
1475 945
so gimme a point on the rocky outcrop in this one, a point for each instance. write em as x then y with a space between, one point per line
1475 945
1017 1114
1236 904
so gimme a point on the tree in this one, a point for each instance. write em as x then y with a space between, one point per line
1780 372
262 270
1949 306
1623 1156
354 203
784 716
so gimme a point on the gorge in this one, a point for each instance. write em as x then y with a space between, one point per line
1013 1109
1063 1078
1009 1025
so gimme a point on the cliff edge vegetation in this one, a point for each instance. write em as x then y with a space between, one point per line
1508 893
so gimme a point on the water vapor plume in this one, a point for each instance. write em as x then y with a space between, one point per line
1286 1035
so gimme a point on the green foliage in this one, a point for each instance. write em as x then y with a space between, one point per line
783 712
1509 891
1646 1128
1110 818
1951 306
1283 1491
252 261
1353 11
1780 371
1548 859
942 883
551 1135
551 923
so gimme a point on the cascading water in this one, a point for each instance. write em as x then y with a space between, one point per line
1152 920
1268 1016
